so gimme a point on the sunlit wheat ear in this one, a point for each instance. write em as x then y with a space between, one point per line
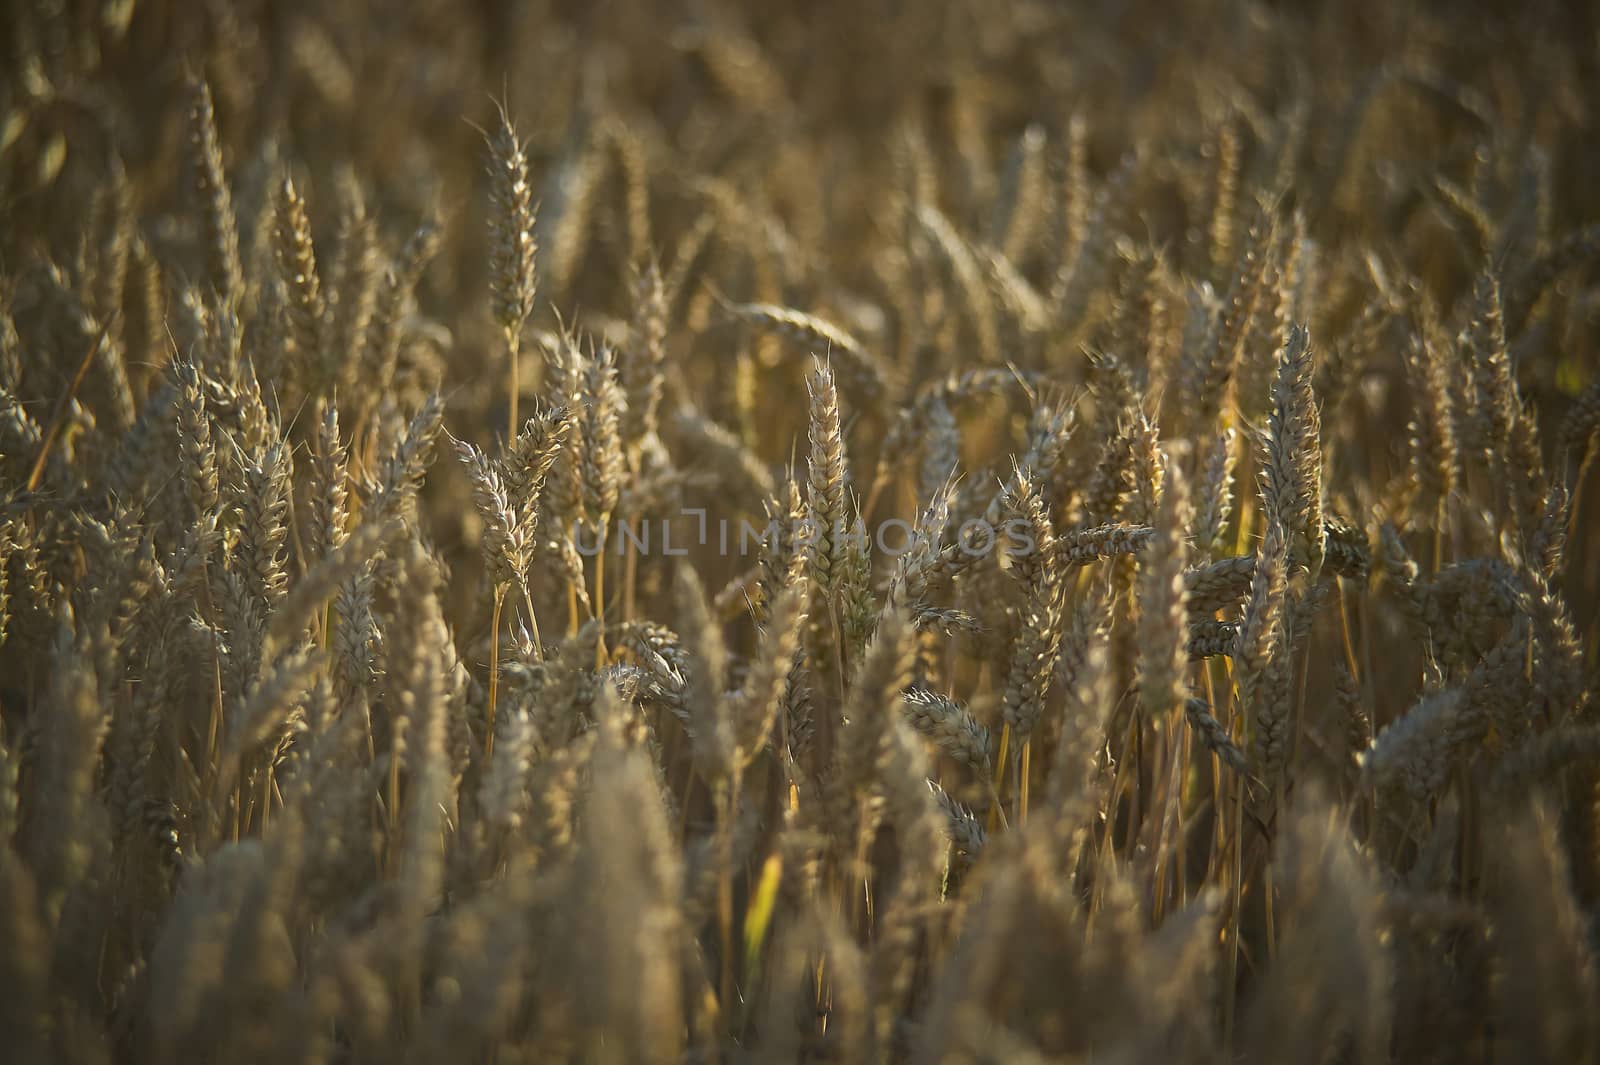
644 359
1073 195
705 671
1206 373
1258 628
263 508
215 200
297 271
507 530
1018 216
929 561
330 458
1538 502
526 465
1110 479
1079 279
400 473
1224 199
601 468
1561 680
722 452
1026 309
1163 658
1272 733
563 495
858 598
941 449
568 196
1033 560
352 284
385 327
827 480
513 253
1494 396
1050 429
419 685
340 568
1295 445
956 257
920 826
1414 751
634 164
864 374
1209 638
780 556
1401 572
1080 547
198 453
1435 459
1146 472
1031 666
289 773
1215 503
268 709
916 420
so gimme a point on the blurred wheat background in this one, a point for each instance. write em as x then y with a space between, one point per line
346 350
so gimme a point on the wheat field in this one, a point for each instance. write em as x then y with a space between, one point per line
983 531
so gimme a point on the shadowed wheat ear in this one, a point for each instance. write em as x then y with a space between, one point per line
950 726
965 830
770 674
1214 735
705 666
864 739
